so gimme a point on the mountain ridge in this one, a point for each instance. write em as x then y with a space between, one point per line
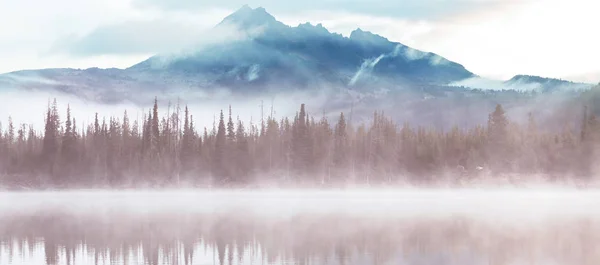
273 57
316 47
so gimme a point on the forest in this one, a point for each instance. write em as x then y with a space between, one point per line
302 151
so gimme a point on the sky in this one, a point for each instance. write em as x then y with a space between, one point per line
492 38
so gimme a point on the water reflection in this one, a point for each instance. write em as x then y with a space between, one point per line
116 235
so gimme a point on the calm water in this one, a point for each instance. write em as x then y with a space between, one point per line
369 227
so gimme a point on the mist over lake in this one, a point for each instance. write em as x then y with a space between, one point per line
410 226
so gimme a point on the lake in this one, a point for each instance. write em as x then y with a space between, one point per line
408 226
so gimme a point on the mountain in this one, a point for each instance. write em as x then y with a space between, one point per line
523 83
544 84
363 72
272 56
303 56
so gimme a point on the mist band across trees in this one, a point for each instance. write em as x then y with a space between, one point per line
170 151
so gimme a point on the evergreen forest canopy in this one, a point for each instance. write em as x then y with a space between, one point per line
305 151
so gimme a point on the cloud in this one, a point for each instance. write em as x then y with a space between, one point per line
545 38
28 61
368 65
68 33
591 77
136 37
29 27
412 9
204 110
408 53
145 37
497 85
253 72
517 85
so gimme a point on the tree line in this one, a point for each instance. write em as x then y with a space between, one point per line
168 150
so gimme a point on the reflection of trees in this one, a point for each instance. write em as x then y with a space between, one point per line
179 238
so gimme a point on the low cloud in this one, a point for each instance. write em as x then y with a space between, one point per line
496 85
591 78
366 67
28 105
412 9
400 50
145 37
516 85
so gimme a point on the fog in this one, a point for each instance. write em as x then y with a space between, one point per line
499 204
519 85
29 107
400 226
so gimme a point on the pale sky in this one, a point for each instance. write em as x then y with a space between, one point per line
492 38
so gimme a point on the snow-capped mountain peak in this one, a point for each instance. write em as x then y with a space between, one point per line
247 17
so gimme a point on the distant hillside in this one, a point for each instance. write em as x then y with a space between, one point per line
544 84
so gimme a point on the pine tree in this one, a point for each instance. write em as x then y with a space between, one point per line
230 129
68 149
108 151
96 125
10 134
50 135
532 128
301 145
584 124
125 126
21 135
196 138
230 148
219 162
51 141
154 129
68 125
56 118
242 159
498 140
340 150
187 147
147 133
498 124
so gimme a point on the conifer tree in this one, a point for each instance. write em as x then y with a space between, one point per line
10 135
219 163
243 159
341 143
126 127
301 149
230 128
498 148
187 147
111 151
50 135
154 129
96 126
68 150
584 124
497 125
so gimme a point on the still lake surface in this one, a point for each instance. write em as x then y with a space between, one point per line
421 227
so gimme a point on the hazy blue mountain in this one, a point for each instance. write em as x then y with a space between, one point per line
278 57
543 84
364 70
304 56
